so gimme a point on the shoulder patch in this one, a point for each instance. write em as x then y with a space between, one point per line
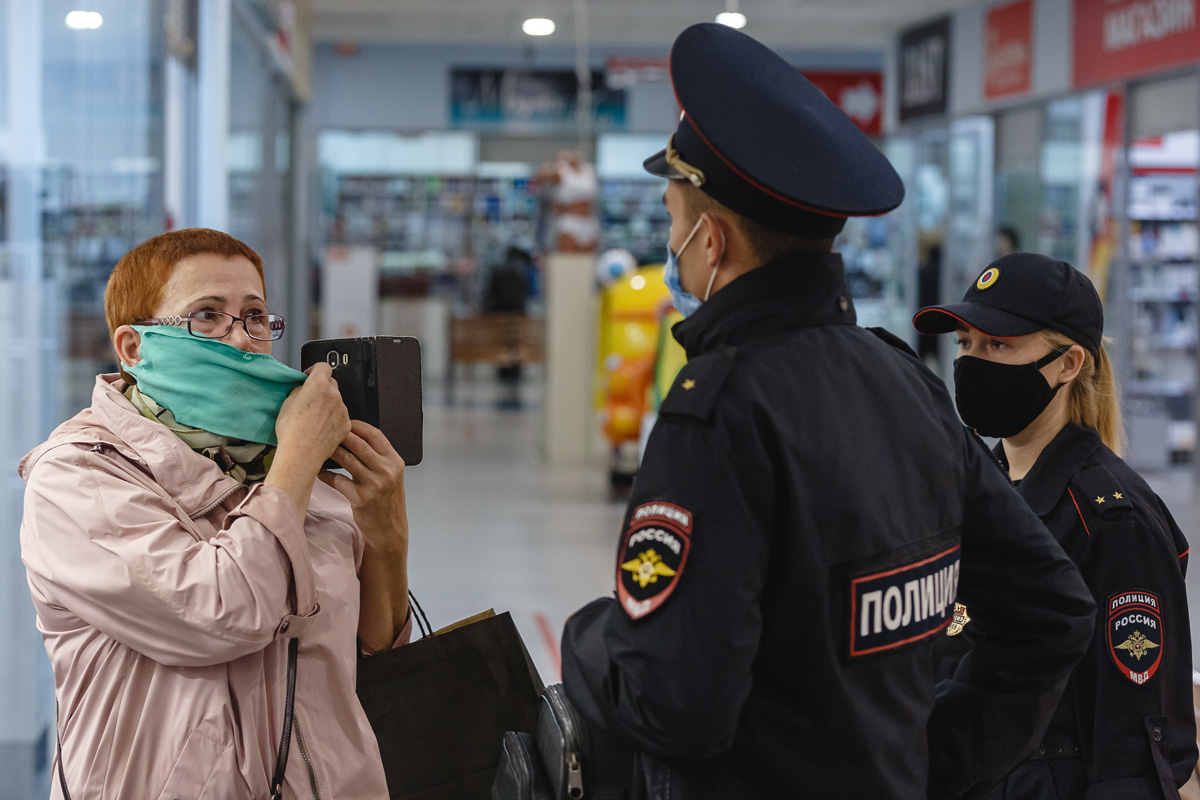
1135 634
1097 490
654 552
698 385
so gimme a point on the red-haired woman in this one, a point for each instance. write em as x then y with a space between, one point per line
198 580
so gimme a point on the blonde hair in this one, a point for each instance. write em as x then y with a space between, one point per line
1094 401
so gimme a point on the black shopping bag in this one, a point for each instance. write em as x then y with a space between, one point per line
440 706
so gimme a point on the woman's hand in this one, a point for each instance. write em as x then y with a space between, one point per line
375 489
313 416
311 423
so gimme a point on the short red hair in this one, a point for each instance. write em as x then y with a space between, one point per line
136 285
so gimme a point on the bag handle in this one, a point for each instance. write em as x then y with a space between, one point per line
284 744
422 620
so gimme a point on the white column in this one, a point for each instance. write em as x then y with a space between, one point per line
212 118
569 431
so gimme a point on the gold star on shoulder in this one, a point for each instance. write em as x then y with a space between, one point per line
1099 499
688 385
1118 496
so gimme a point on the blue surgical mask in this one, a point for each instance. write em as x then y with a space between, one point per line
685 303
211 385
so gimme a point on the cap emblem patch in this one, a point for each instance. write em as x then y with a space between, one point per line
653 555
1135 634
988 278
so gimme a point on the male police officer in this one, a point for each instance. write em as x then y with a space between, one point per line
809 501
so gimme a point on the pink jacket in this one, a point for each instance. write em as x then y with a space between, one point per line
166 593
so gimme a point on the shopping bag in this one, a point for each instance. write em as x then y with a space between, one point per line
439 707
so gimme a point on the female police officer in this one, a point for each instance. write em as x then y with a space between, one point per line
1032 371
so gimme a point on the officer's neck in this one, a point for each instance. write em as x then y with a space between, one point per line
741 258
1022 451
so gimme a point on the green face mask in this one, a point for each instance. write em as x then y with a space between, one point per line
211 385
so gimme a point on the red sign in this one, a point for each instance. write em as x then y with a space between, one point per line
1008 50
859 93
1116 39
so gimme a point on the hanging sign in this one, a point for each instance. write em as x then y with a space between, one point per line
1008 50
859 93
924 69
530 99
621 72
1118 39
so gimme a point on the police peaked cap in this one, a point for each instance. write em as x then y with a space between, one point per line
759 138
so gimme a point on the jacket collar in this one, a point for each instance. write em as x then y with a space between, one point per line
1067 452
192 480
796 291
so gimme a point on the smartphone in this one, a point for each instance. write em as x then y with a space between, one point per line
379 378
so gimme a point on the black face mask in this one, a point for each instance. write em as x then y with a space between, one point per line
1001 400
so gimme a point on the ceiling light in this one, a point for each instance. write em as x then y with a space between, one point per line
84 20
538 26
732 18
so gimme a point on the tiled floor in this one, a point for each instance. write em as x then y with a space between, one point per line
494 526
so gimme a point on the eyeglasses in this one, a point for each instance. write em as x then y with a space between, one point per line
218 324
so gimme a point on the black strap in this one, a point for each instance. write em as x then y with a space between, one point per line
422 620
62 779
284 744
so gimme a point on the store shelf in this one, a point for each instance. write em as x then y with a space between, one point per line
1163 249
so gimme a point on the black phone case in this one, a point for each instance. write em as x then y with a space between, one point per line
379 378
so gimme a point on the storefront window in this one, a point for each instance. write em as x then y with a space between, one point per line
249 94
1058 230
915 236
80 184
1018 185
102 178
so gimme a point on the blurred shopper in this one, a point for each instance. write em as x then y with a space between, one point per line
808 500
1032 371
1007 240
507 292
178 545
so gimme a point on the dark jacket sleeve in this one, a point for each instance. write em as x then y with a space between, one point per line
1032 619
673 680
1135 716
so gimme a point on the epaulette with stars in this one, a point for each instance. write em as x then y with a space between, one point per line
1097 494
698 385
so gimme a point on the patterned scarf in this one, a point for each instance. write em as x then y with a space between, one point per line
245 462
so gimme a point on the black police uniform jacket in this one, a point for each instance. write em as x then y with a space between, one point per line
806 506
1125 727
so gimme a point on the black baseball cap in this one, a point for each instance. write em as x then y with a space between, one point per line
1023 293
759 138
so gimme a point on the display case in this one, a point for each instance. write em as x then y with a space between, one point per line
633 217
1163 286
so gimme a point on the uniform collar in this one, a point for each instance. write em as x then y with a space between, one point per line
796 291
1067 452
